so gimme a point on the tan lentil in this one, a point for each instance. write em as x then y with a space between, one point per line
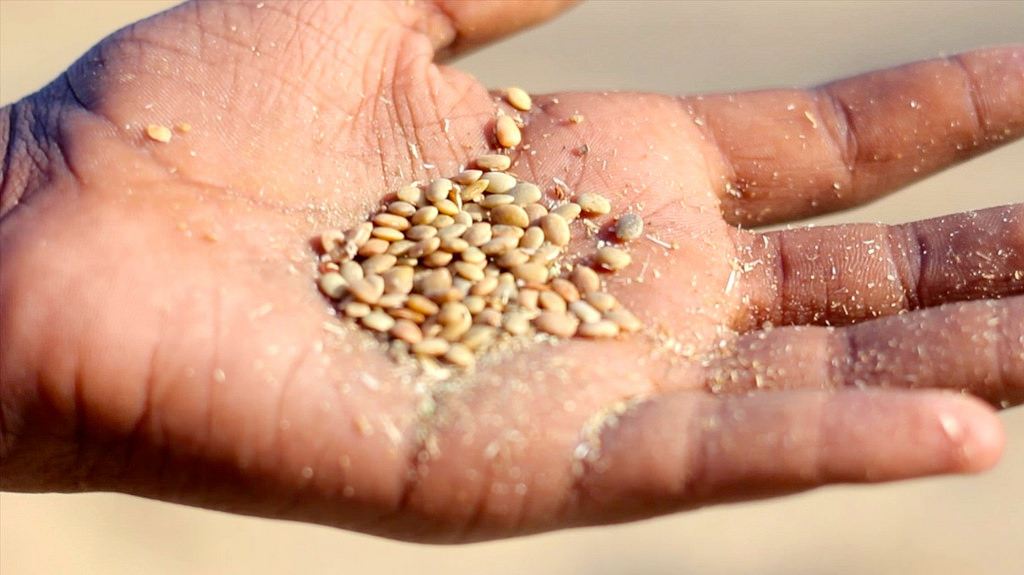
431 346
556 324
493 162
333 285
507 132
406 331
598 329
594 204
389 220
509 215
498 182
569 211
556 229
551 301
612 259
378 321
585 278
162 134
518 98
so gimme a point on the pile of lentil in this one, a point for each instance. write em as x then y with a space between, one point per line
449 269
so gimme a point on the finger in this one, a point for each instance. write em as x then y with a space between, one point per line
974 347
788 154
843 274
677 451
473 24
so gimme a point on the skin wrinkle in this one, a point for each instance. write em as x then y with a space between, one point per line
905 246
839 127
973 101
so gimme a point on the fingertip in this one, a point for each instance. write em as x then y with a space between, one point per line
974 434
478 23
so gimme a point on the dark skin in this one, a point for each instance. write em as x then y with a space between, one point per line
162 335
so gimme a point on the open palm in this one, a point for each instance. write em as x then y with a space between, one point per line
162 333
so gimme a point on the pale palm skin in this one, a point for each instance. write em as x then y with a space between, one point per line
162 333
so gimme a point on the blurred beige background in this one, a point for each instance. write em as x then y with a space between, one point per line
965 525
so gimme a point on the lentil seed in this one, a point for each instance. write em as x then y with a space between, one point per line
401 208
446 207
495 200
584 311
535 211
467 177
431 346
424 247
518 98
424 215
531 273
585 278
566 289
460 355
532 238
556 324
507 132
498 182
493 162
378 321
379 264
478 336
412 194
474 190
598 329
406 331
625 319
510 215
551 301
525 193
499 245
602 301
556 229
438 189
389 220
612 259
357 309
333 285
569 211
478 234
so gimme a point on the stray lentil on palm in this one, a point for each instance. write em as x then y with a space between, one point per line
450 268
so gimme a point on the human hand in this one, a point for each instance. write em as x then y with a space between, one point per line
162 334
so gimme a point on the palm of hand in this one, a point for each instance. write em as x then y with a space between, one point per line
200 369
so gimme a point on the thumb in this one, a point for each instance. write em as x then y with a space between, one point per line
476 23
